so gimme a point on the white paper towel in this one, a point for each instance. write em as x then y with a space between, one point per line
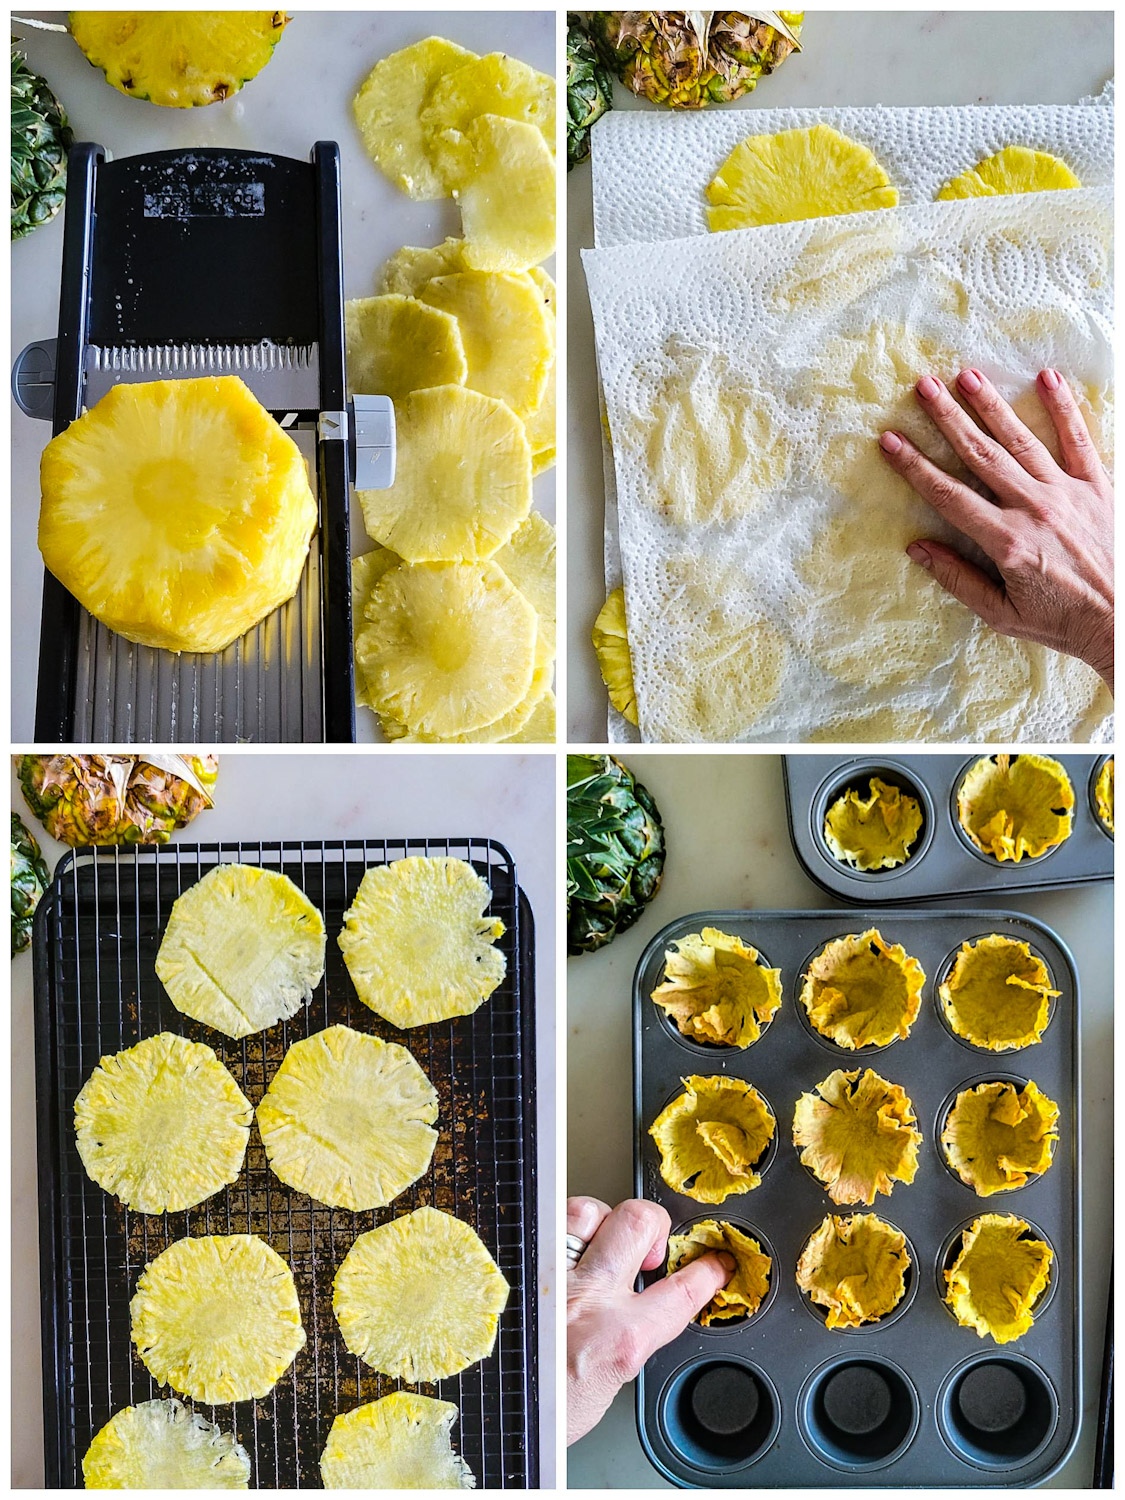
746 378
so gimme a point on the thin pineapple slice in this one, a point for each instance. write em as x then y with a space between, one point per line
1016 169
856 1268
875 832
397 345
998 994
861 991
717 989
178 58
796 174
543 423
1015 805
217 1318
1000 1273
493 85
177 512
400 1442
611 647
162 1125
448 648
508 336
540 727
463 478
507 196
529 561
998 1136
416 941
744 1293
366 573
713 1137
410 268
436 1270
387 110
348 1119
243 949
856 1134
163 1445
507 727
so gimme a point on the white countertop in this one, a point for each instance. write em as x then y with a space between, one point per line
303 95
728 846
849 57
323 796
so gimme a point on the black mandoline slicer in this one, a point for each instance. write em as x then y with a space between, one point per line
210 262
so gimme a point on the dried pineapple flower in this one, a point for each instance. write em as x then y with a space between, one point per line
858 1135
855 1267
1103 794
712 1137
1000 1273
860 991
750 1280
1012 805
997 994
997 1137
716 990
874 832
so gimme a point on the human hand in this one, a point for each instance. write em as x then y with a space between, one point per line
1047 527
611 1330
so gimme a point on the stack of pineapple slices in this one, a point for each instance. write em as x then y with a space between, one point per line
454 611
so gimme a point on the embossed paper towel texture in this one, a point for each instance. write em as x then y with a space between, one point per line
746 378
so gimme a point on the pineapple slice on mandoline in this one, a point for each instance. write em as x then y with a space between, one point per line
178 58
243 949
387 112
217 1318
495 85
397 345
508 335
162 1125
164 1445
463 478
506 193
611 647
400 1442
177 512
437 1270
416 941
796 174
348 1119
1016 169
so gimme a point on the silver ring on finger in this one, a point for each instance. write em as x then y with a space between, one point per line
575 1249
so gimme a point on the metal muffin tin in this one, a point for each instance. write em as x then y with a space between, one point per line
779 1399
944 862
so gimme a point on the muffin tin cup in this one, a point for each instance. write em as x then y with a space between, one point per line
983 1053
945 863
1092 795
951 1248
738 1221
892 1376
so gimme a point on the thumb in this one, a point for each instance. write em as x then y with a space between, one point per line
963 579
669 1305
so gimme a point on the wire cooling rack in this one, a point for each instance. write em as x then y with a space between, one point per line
96 991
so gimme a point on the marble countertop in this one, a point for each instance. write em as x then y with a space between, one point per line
303 95
728 846
849 57
507 797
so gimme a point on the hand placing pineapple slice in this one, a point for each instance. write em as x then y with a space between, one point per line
1016 169
164 1445
796 174
397 345
348 1119
177 512
508 335
400 1442
217 1318
416 941
162 1125
506 193
436 1269
388 106
244 949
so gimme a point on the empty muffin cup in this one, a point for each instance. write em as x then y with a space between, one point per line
719 1414
997 1411
858 1414
872 819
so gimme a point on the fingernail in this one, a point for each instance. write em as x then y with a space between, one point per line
1050 378
890 442
726 1260
919 555
969 381
928 387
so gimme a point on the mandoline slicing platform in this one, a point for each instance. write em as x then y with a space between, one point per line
750 1405
96 991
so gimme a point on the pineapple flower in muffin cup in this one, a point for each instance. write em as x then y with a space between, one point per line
1046 525
611 1330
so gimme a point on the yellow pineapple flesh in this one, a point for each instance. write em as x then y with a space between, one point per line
796 174
410 268
387 111
539 729
348 1119
495 85
397 345
416 941
400 1442
529 561
366 573
177 512
437 1268
163 1445
508 337
506 195
611 646
543 422
1016 169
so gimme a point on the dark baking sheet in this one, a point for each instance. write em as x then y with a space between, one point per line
96 991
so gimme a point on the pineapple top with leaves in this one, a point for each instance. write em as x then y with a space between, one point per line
348 1119
416 941
589 91
116 799
614 850
419 1298
164 1445
400 1442
30 879
162 1125
243 949
217 1318
41 138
